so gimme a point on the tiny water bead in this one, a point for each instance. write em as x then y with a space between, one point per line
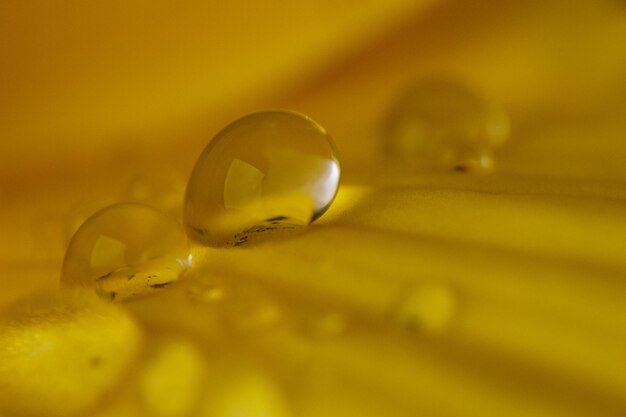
444 125
428 307
162 187
251 310
172 380
246 391
126 250
268 173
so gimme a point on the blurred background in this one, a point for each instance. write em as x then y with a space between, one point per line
519 273
84 81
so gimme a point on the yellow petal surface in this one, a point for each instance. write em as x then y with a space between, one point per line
418 293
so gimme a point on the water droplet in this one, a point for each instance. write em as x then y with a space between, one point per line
172 381
443 124
81 211
247 393
253 315
213 294
427 307
162 188
269 173
126 250
61 352
209 288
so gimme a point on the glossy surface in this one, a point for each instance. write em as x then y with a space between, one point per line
442 124
268 173
126 250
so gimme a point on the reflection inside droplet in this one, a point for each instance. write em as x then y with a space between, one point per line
267 174
126 250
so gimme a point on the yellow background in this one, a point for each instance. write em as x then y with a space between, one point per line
531 259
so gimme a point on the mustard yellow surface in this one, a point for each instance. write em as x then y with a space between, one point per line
416 294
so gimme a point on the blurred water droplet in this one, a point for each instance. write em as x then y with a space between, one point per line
172 381
247 393
208 288
250 309
425 307
441 124
213 294
162 188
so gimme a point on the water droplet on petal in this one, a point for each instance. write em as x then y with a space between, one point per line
444 125
247 393
81 211
172 381
126 250
162 188
425 307
250 309
267 174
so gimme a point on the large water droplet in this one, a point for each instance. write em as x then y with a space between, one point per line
268 173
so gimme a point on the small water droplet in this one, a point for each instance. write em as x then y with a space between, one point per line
213 294
425 307
171 382
250 309
247 393
269 173
126 250
161 187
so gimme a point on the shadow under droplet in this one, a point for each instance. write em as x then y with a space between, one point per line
275 228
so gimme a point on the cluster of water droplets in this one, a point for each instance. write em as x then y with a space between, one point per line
266 175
